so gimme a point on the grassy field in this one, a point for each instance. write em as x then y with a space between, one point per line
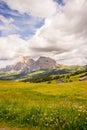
25 106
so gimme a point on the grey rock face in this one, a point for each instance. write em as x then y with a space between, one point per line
30 65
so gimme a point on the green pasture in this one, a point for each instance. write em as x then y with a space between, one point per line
41 106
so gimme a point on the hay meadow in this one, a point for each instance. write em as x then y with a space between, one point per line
42 106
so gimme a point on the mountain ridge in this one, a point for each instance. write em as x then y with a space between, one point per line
30 65
27 69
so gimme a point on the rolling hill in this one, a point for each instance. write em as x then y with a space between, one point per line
43 69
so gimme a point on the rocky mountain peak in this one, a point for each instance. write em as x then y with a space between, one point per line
46 62
25 63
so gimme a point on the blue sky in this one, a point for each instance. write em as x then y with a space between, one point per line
61 2
26 24
34 28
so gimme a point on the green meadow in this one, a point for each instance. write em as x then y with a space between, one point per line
41 106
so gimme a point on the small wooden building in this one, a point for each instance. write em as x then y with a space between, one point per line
83 78
59 81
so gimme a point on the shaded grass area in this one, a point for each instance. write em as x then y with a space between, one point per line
43 106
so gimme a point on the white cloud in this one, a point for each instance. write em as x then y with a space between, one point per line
7 25
6 21
12 46
38 8
63 36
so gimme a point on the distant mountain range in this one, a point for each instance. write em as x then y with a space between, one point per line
29 65
27 69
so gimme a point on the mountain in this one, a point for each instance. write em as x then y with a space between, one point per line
45 63
28 65
42 69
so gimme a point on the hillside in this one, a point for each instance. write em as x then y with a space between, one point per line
43 69
54 76
65 73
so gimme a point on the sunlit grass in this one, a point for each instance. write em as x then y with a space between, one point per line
43 106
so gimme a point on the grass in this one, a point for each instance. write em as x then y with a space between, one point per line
35 73
43 106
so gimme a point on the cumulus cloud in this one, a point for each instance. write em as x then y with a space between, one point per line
12 46
63 35
38 8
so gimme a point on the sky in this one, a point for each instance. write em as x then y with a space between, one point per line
52 28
